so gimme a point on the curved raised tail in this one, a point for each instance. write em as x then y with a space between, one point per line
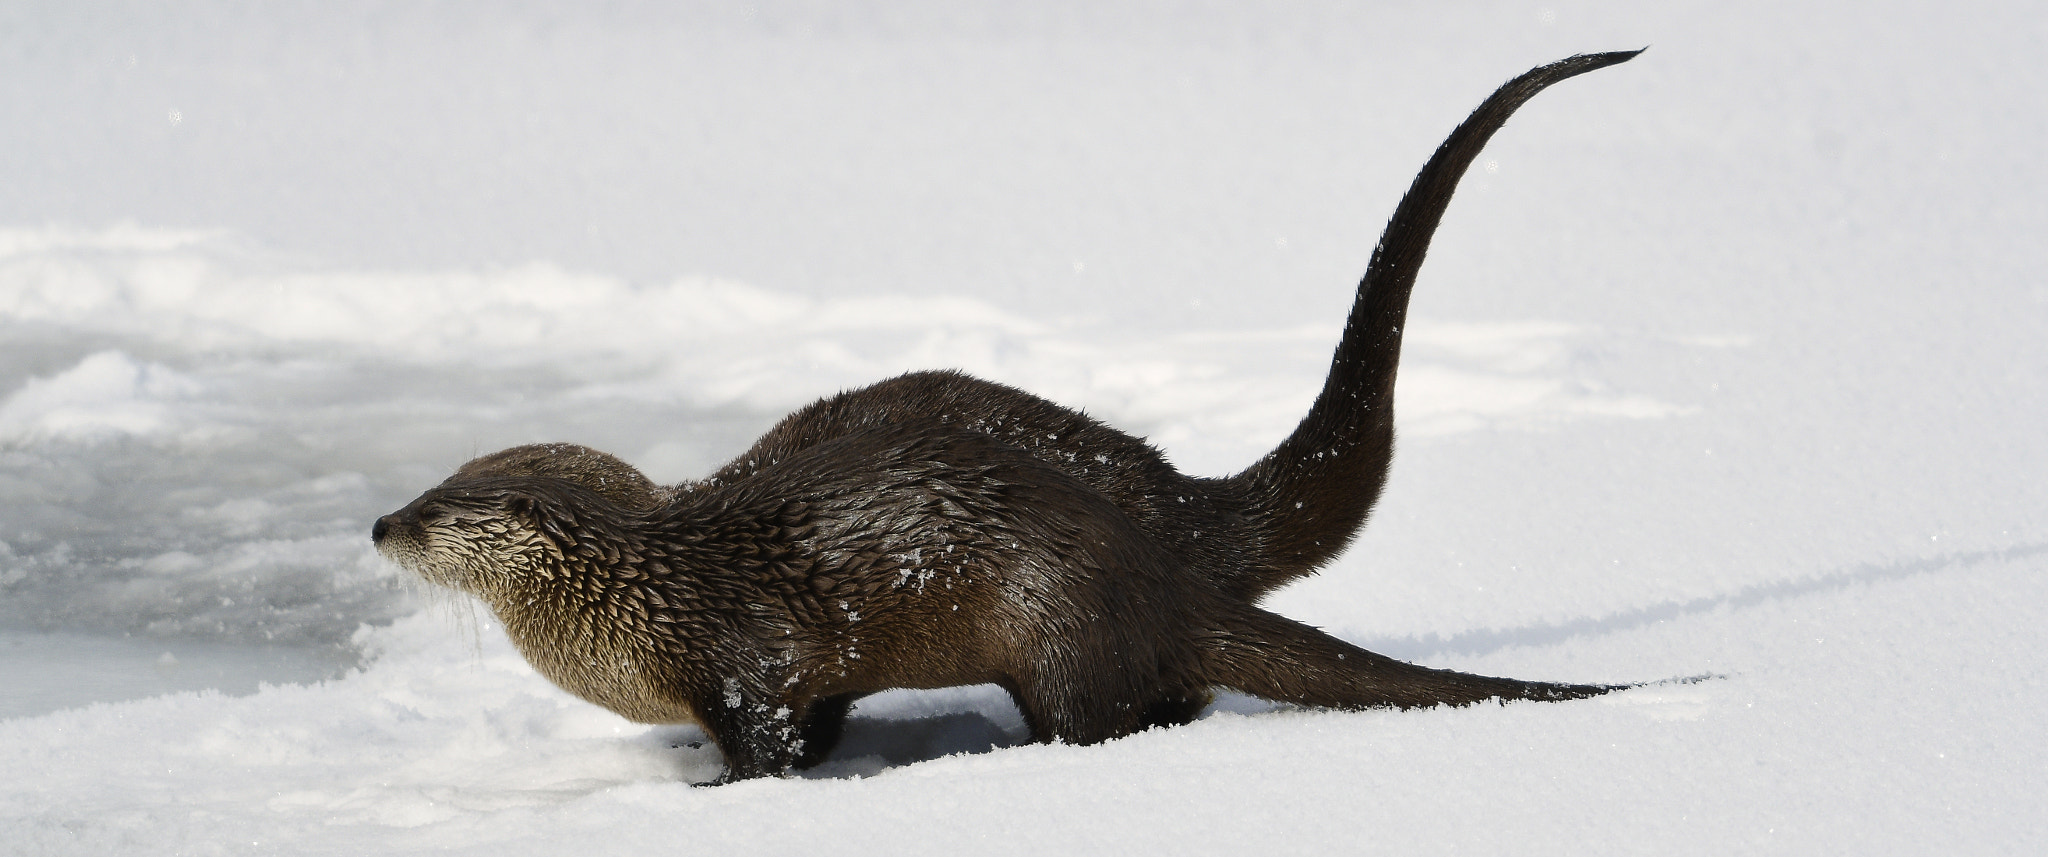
1309 496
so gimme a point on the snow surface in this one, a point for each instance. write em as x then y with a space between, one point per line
1727 360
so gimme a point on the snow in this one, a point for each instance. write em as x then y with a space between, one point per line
1725 361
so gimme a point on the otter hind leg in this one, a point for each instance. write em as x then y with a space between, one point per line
1082 694
1068 713
1176 710
1269 656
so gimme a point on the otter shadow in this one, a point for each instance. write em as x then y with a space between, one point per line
869 746
1482 642
872 745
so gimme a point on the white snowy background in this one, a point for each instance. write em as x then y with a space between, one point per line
1727 360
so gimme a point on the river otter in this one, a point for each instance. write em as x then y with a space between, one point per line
936 529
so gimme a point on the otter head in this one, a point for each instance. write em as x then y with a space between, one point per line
479 536
602 473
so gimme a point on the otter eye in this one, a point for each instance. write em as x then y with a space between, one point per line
445 512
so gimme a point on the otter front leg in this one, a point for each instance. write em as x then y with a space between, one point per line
758 734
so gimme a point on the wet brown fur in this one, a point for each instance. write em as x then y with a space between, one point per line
936 530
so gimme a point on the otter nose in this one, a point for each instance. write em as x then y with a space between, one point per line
377 530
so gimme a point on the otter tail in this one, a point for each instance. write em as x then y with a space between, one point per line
1276 658
1309 496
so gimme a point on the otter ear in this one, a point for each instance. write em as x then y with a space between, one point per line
523 507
